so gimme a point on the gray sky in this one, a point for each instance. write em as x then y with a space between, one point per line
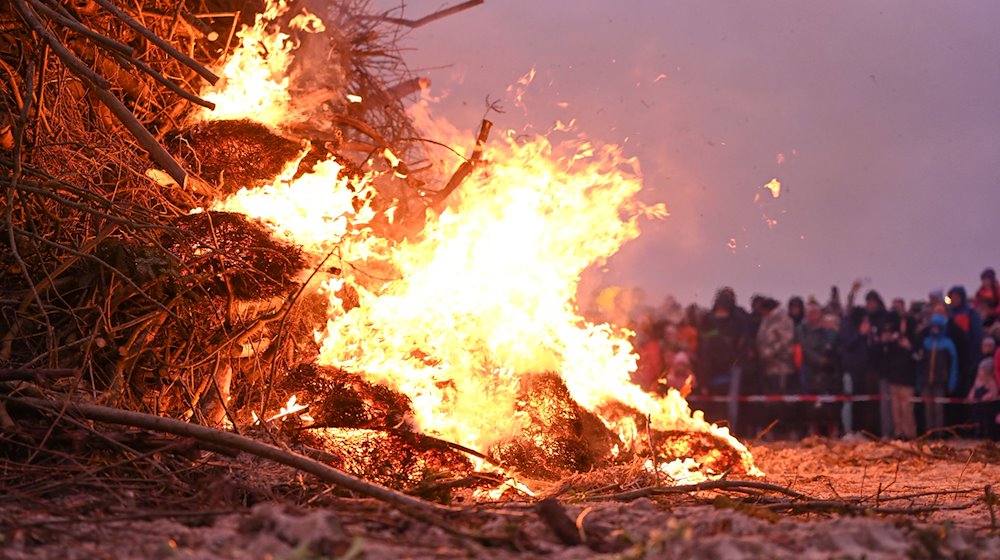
887 114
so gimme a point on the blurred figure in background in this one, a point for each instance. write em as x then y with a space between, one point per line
754 414
984 391
774 341
988 296
898 307
968 345
687 330
938 373
834 305
680 373
796 309
875 378
854 363
722 350
648 347
895 364
820 370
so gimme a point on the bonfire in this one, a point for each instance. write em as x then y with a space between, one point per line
234 232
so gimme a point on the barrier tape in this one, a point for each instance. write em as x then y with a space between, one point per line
824 399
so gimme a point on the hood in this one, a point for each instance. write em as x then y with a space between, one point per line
873 295
959 291
939 321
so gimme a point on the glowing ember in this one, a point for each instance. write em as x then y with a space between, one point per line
292 407
775 187
486 294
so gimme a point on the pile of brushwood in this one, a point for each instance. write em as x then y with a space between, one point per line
123 305
111 287
116 291
132 329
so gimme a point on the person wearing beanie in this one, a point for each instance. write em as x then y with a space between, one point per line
988 296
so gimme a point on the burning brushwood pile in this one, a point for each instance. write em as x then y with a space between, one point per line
222 221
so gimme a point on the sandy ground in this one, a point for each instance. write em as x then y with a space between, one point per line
869 500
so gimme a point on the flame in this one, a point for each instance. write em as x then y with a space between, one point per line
316 210
254 81
486 293
292 407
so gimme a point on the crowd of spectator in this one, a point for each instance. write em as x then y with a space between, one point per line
928 368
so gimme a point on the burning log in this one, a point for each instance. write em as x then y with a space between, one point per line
560 437
357 424
714 454
337 398
397 459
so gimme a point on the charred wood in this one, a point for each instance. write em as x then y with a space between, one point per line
235 154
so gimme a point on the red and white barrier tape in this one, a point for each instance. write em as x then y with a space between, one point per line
822 399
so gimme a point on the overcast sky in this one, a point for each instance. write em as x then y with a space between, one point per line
886 115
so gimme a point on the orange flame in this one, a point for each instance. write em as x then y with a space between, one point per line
487 292
254 81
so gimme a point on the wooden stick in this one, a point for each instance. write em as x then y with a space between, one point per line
159 42
72 62
124 55
27 374
82 29
324 472
100 87
465 169
200 26
146 140
168 83
415 23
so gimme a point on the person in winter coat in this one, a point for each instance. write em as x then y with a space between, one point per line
875 380
820 369
894 361
853 362
722 349
984 393
938 372
988 296
775 338
971 323
774 346
968 344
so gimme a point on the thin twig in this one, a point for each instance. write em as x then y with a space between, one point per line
159 42
415 23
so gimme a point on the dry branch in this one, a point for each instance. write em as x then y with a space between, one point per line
159 42
465 169
226 439
101 90
78 27
415 23
24 374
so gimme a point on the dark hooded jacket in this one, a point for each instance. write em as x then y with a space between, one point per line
971 324
853 345
876 322
891 358
722 341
